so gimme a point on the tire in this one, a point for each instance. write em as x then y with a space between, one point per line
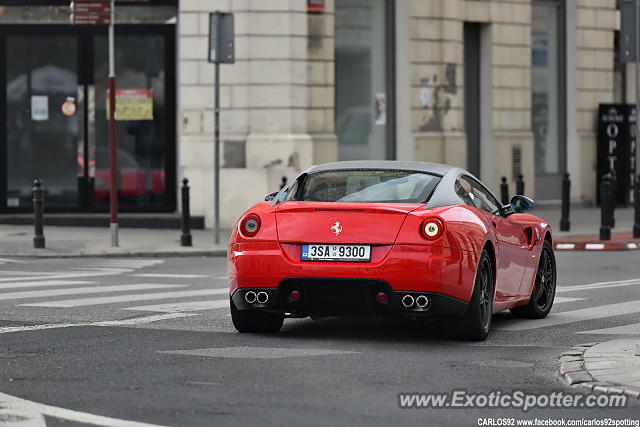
476 323
253 321
544 288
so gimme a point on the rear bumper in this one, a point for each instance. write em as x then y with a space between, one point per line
445 275
346 297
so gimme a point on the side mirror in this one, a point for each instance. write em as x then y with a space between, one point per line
521 204
270 197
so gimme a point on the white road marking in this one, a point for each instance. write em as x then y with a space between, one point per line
26 273
16 403
15 418
594 246
247 352
561 300
123 322
599 285
10 261
555 319
40 283
171 276
565 246
632 329
41 293
128 263
82 302
92 273
183 306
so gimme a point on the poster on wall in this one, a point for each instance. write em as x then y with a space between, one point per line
39 108
132 104
381 109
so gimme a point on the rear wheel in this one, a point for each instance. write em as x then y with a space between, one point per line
255 321
475 325
544 288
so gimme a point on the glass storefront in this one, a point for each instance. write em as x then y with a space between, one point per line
363 116
53 94
547 96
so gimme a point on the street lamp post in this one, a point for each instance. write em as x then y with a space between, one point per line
113 152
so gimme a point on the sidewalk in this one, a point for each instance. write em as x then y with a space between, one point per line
17 240
63 242
585 228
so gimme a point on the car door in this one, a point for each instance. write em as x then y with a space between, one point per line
513 242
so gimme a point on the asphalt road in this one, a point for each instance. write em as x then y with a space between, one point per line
138 340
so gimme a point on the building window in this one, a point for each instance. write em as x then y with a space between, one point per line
548 104
364 79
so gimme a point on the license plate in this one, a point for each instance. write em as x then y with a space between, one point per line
319 252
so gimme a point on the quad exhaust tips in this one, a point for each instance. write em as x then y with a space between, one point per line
252 297
408 301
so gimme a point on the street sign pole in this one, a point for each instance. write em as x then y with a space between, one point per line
216 155
637 124
113 158
221 51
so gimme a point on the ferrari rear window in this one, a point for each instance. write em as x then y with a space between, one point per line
367 185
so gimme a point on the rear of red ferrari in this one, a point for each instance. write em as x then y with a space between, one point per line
345 257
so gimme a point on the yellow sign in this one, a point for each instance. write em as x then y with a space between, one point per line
133 104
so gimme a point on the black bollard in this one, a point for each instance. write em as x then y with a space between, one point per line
283 183
185 237
504 191
38 207
605 201
520 185
636 205
565 224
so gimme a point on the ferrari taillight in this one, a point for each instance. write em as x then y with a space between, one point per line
250 225
432 228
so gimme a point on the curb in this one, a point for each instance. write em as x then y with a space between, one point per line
596 246
571 367
124 254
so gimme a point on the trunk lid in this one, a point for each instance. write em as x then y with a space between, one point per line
348 223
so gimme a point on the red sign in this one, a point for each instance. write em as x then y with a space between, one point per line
92 12
315 6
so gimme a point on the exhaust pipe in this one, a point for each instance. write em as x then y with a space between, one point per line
250 297
262 297
422 301
407 301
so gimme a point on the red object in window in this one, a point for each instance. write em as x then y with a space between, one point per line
315 6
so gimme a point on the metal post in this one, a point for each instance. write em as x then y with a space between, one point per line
605 198
636 205
113 151
565 224
283 183
38 207
520 185
637 80
613 198
504 191
185 237
216 155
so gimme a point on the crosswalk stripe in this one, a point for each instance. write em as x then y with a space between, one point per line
41 283
555 319
10 261
600 285
561 300
170 276
92 273
183 306
41 293
82 302
631 329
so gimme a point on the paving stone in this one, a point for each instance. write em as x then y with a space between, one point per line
601 389
577 377
569 359
633 394
571 367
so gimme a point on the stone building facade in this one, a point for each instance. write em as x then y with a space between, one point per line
502 87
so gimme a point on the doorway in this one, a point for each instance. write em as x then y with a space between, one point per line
53 88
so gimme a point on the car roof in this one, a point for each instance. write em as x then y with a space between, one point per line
432 168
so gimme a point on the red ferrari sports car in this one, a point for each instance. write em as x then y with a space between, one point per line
389 238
